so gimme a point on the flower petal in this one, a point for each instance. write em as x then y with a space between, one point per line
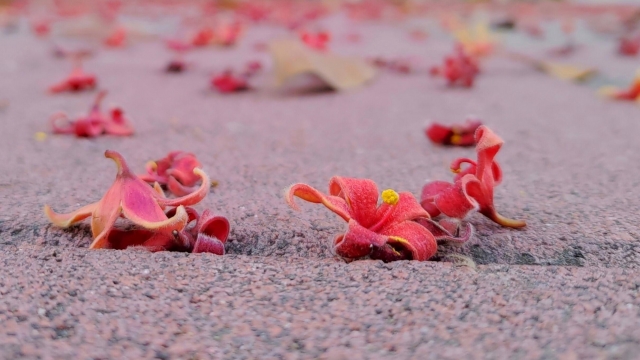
454 202
413 237
429 193
310 194
193 198
361 196
177 188
66 220
357 241
407 208
121 239
213 225
208 244
182 168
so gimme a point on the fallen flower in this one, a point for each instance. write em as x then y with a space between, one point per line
174 171
227 82
457 135
318 41
135 200
386 232
95 123
629 46
458 68
117 38
631 94
208 235
78 80
472 189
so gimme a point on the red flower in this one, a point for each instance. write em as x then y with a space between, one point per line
95 123
174 171
227 82
472 189
458 135
117 38
202 37
78 80
629 46
133 199
387 232
458 68
208 235
631 94
318 41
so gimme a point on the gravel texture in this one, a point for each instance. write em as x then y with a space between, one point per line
565 287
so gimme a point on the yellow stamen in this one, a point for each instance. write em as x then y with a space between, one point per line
152 165
455 171
390 197
455 139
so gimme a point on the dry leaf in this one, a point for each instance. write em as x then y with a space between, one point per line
567 72
292 58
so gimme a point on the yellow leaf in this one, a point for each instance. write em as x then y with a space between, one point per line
292 58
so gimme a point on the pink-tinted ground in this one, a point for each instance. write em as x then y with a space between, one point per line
566 287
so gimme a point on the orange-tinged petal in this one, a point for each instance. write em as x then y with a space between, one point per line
310 194
361 196
193 198
66 220
139 202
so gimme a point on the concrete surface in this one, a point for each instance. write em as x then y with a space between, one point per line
565 287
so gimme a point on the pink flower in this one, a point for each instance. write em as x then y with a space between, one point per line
95 123
78 80
227 82
387 232
458 68
133 199
472 189
174 171
458 135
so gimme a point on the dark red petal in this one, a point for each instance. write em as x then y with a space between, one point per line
429 192
438 133
413 237
454 202
213 225
208 244
357 241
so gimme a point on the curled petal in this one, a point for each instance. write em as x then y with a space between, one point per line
66 220
305 192
473 188
118 124
213 225
208 244
454 202
414 238
178 189
182 168
429 192
361 196
193 198
357 241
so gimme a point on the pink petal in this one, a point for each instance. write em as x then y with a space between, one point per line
360 195
413 237
208 244
357 241
305 192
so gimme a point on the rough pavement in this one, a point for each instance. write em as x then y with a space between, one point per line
565 287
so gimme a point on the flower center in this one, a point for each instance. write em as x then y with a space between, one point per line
391 198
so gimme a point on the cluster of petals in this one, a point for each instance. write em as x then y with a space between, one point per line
629 46
318 40
456 135
231 81
459 68
78 80
388 231
472 189
93 124
157 228
175 171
